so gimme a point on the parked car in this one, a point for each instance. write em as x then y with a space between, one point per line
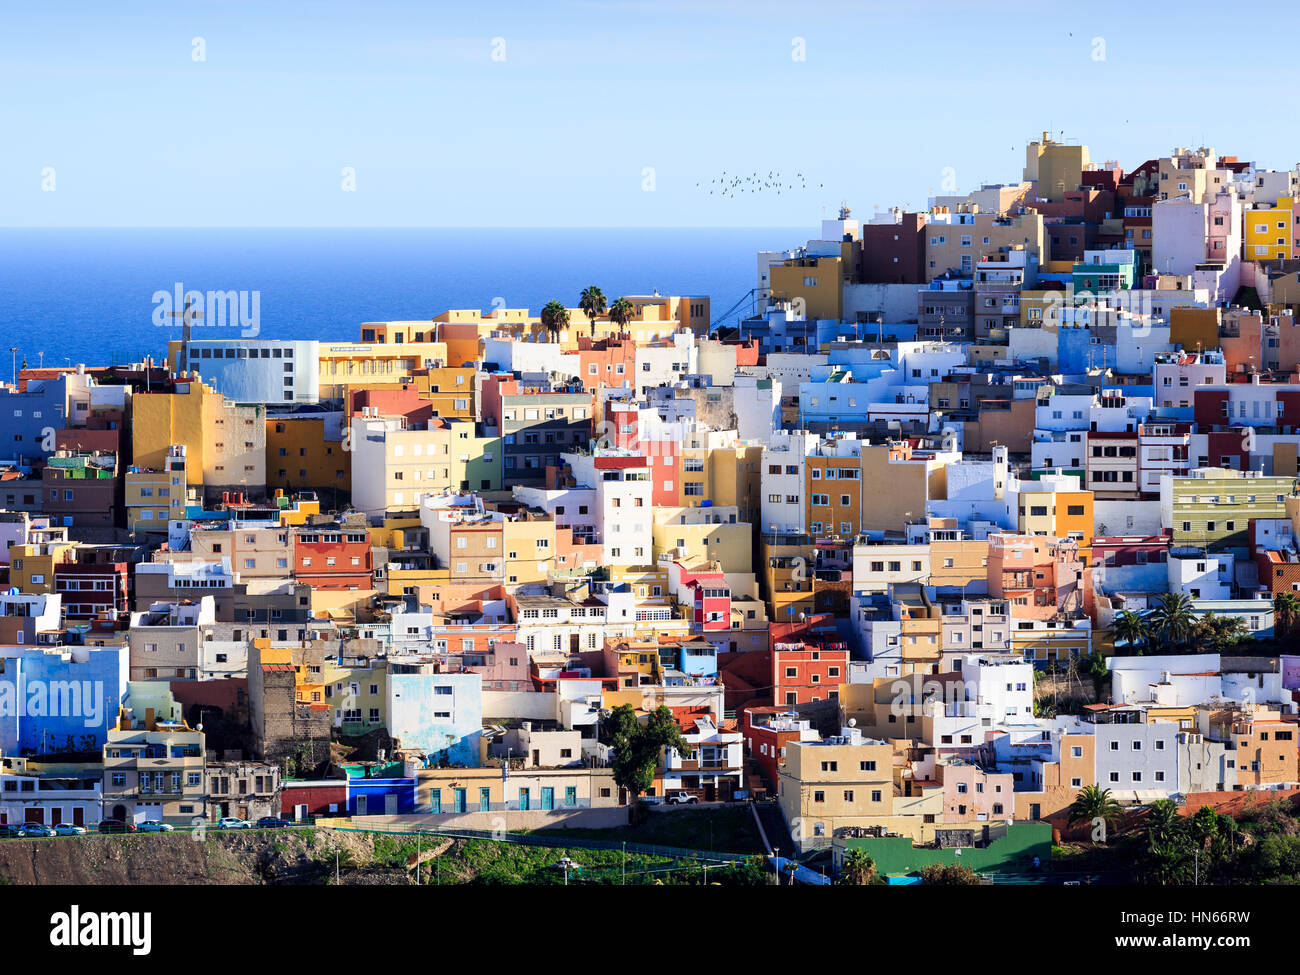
9 831
68 829
155 826
272 822
116 826
230 822
682 798
37 829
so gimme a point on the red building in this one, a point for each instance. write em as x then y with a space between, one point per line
404 401
92 588
767 729
313 798
332 557
707 593
803 673
892 253
609 362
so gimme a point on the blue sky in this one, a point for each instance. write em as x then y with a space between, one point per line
588 97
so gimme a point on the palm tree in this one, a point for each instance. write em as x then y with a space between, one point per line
1218 633
1131 628
621 312
1094 804
1163 823
1286 607
592 303
555 318
1173 618
859 869
1204 826
1167 866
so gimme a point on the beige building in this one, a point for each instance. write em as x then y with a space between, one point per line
264 552
1055 167
1194 173
153 767
958 240
849 780
715 533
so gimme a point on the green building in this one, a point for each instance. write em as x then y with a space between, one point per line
1211 507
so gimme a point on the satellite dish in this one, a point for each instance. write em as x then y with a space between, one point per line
853 722
198 727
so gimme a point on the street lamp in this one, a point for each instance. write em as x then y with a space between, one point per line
565 864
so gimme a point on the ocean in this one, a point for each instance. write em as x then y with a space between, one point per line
87 295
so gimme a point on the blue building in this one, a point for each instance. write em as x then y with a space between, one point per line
439 714
380 797
26 417
60 700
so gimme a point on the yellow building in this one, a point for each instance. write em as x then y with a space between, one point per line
816 282
1268 231
153 498
529 543
388 356
787 578
306 451
224 442
450 390
956 561
31 567
712 533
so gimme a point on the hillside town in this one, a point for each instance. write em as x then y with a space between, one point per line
966 534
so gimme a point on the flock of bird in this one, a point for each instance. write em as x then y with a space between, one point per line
735 184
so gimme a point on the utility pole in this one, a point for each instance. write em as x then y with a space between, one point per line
623 882
336 866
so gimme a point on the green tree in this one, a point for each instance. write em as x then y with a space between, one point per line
1173 618
592 302
1167 865
555 318
1218 633
1093 804
1286 608
1204 826
1098 671
1164 825
859 869
949 875
621 312
637 747
1132 629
